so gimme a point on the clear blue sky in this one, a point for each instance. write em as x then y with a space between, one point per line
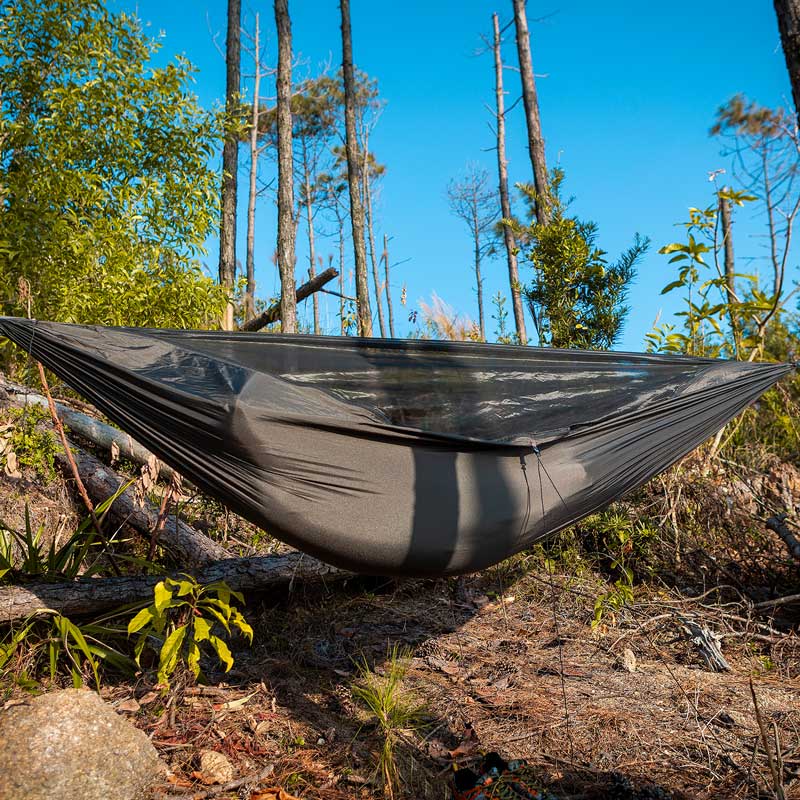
627 94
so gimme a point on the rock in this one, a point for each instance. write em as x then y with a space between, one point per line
628 660
70 745
214 768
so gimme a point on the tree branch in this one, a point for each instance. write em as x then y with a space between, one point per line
273 313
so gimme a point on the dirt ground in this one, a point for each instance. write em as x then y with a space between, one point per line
499 662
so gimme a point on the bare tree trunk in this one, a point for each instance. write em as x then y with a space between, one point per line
286 225
385 257
353 177
505 203
341 275
788 13
476 233
249 298
312 250
230 160
730 279
371 238
273 313
531 103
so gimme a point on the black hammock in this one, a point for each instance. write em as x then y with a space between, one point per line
398 457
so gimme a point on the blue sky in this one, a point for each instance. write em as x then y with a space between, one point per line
627 94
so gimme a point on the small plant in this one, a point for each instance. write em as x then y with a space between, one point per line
623 543
391 708
47 639
182 617
23 443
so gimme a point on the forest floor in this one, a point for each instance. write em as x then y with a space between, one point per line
507 660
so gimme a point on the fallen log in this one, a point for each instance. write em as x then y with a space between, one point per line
273 313
189 547
94 595
91 429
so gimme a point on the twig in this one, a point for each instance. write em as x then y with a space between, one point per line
780 601
777 524
162 517
773 768
251 779
74 468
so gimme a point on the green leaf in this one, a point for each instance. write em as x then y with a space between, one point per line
144 617
223 652
170 652
162 596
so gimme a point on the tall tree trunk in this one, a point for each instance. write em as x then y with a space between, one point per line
353 177
340 220
312 250
531 103
286 223
788 13
230 159
476 235
505 203
385 257
730 270
250 293
371 236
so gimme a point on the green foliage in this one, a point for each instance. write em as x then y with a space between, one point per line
23 555
502 334
24 442
391 709
576 297
49 641
714 322
182 618
623 545
105 184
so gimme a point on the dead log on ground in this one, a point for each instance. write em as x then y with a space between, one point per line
98 433
94 595
190 547
273 313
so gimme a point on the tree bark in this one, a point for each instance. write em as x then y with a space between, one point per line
476 233
788 13
312 250
286 225
230 160
93 595
190 547
250 293
371 236
726 223
353 176
385 257
505 203
273 313
534 123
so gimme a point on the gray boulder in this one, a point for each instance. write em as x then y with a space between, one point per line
70 745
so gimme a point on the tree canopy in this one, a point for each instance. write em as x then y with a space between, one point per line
106 186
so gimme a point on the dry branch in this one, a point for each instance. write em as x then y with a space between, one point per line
778 525
91 595
190 547
273 313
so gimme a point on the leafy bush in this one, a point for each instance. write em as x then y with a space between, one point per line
105 175
182 618
23 443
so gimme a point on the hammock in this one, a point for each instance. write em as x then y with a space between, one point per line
398 457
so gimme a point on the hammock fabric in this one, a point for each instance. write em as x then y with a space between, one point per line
398 457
